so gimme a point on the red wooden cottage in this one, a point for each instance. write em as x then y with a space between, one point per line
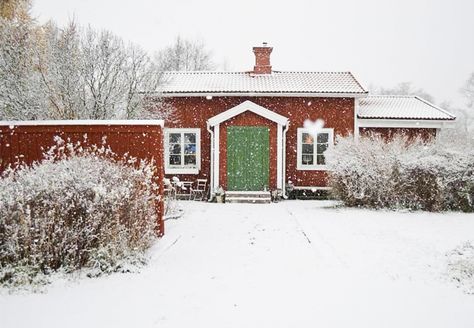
244 131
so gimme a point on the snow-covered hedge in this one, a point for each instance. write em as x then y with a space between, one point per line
77 208
403 173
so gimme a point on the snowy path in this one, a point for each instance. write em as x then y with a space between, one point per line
291 264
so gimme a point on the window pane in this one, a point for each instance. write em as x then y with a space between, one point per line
175 149
321 160
307 138
190 149
175 137
322 148
189 160
323 137
307 160
308 149
175 159
190 137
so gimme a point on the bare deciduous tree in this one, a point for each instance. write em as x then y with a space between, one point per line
60 68
102 70
142 75
71 73
185 55
115 76
403 88
21 92
466 115
15 9
48 72
464 128
468 91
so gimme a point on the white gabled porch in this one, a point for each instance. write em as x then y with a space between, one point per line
214 128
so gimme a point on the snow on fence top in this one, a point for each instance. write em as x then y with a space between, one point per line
82 122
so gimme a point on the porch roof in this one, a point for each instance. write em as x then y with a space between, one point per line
401 108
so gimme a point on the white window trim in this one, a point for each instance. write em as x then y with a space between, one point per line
299 150
183 169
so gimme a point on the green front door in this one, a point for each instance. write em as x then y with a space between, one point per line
247 158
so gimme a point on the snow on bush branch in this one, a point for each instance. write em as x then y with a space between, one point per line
403 173
78 208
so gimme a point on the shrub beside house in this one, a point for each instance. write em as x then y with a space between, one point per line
403 173
76 209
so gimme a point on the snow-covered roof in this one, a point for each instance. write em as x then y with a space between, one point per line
400 107
284 83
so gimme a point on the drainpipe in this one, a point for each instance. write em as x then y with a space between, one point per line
285 196
211 163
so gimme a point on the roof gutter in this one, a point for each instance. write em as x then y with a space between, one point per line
405 123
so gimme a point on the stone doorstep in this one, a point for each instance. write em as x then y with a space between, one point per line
248 200
251 194
250 197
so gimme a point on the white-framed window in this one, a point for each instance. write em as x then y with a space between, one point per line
182 151
311 148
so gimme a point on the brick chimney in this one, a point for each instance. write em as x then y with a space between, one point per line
262 59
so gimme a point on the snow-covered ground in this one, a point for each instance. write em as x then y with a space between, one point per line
291 264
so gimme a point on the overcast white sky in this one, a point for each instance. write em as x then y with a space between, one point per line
383 42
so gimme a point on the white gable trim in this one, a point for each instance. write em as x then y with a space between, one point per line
247 106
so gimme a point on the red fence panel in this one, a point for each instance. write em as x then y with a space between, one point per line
143 139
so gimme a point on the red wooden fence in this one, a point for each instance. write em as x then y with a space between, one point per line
27 141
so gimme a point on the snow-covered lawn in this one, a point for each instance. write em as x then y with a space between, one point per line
291 264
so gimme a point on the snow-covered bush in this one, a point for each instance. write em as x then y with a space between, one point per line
77 208
461 267
403 173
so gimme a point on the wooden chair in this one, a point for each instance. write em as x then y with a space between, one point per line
184 190
169 189
200 192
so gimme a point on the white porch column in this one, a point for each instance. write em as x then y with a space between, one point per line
280 156
216 155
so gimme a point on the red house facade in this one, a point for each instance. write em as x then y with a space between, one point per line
245 131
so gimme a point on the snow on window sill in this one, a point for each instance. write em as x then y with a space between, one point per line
312 167
181 170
